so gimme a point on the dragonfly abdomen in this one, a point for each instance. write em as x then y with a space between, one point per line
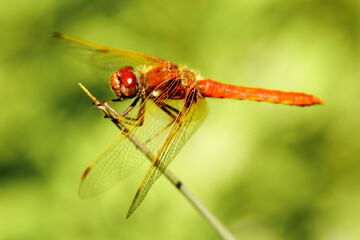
211 88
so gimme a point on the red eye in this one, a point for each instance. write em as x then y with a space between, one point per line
128 79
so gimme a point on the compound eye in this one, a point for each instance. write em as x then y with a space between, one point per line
126 69
128 79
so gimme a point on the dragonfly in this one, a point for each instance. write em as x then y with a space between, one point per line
162 104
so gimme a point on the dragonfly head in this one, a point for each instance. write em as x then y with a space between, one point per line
123 82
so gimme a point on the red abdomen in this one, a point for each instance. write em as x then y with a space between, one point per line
211 88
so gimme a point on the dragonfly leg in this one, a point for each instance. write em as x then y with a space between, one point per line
167 109
110 108
126 112
106 104
138 120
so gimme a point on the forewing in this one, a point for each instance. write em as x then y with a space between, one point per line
106 59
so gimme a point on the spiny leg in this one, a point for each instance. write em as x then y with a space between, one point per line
167 109
132 121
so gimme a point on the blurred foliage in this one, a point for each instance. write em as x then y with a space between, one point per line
267 171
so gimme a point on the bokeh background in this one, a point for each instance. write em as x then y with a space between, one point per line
266 171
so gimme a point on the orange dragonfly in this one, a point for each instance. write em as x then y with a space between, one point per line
162 105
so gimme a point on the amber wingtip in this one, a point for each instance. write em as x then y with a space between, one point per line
85 173
63 36
56 35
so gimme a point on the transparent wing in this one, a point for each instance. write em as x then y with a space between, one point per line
192 113
106 59
122 157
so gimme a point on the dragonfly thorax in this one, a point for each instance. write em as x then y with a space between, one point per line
124 82
168 80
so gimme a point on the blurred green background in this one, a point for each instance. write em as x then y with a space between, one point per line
266 171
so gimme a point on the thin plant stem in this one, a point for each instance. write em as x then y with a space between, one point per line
212 220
